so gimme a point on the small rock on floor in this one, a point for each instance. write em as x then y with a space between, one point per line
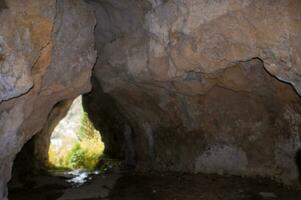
267 195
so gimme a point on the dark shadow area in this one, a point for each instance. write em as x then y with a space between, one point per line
24 164
167 186
116 133
3 5
298 163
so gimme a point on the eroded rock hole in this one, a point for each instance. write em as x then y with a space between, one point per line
75 143
68 152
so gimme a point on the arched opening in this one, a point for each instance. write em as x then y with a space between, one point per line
75 144
69 152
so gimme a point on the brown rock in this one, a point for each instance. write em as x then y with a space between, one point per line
196 86
210 95
49 53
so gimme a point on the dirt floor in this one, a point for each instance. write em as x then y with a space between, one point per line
173 186
199 187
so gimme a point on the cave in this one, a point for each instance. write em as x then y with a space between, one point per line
192 99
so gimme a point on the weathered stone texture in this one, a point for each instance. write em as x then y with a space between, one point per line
203 83
47 53
194 85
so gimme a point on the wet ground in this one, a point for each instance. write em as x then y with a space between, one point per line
74 185
170 186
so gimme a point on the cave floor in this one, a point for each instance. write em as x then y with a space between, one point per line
168 186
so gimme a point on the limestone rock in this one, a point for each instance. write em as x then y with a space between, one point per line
47 53
193 85
193 77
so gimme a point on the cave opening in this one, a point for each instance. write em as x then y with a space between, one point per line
68 152
75 143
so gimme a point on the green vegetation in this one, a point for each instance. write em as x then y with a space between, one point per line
109 165
84 154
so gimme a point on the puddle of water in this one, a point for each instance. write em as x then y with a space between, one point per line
79 178
76 178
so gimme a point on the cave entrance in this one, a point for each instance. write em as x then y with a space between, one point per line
75 144
66 156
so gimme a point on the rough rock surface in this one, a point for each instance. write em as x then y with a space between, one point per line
194 85
203 84
46 56
41 141
116 134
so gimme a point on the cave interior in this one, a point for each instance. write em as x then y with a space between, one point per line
192 106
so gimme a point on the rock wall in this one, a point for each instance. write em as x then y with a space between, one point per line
46 56
115 130
41 141
204 84
193 85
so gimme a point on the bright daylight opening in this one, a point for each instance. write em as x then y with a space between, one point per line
75 143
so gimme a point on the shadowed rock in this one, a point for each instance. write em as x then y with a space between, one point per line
3 4
298 163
